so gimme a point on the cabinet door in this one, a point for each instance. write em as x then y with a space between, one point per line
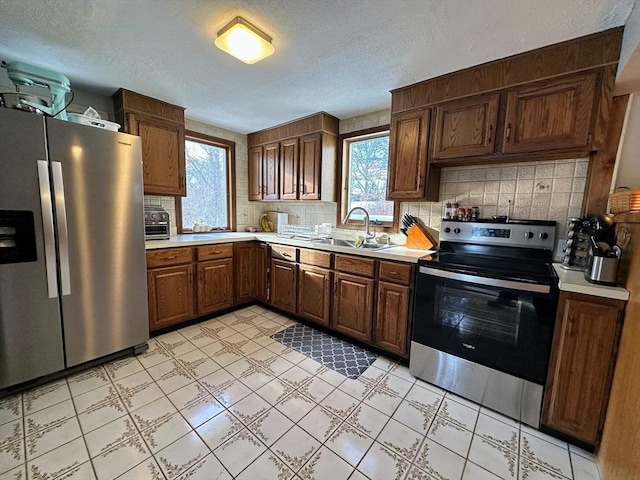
550 115
162 154
255 173
408 155
392 319
314 287
245 274
353 306
170 295
284 282
466 127
582 357
261 272
215 285
310 165
289 169
270 172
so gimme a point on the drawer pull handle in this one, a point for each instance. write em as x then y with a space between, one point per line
285 254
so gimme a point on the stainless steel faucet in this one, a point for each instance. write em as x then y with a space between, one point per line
368 235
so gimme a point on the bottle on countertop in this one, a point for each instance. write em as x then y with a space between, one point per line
455 212
447 211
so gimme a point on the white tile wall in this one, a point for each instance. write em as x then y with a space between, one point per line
549 190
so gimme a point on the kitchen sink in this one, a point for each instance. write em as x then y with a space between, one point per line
349 243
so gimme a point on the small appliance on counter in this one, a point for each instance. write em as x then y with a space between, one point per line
604 255
157 224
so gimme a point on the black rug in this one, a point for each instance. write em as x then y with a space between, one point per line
331 352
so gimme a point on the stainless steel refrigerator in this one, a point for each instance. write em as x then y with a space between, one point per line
73 282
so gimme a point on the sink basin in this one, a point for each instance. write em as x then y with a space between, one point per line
349 243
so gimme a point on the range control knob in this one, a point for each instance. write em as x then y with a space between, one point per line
456 230
528 234
544 235
447 230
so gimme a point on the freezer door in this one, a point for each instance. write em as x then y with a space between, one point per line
30 327
97 182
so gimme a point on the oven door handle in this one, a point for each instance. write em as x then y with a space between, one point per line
492 282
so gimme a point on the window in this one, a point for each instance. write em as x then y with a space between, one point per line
209 165
364 177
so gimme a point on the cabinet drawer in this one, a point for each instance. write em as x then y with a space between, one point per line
395 272
282 252
314 257
356 265
169 256
213 252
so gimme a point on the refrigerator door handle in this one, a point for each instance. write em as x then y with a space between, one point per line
47 227
63 235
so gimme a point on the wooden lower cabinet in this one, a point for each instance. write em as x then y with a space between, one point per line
392 317
314 294
582 360
245 275
215 285
284 283
171 297
261 264
353 306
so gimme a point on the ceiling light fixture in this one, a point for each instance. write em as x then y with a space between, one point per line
244 41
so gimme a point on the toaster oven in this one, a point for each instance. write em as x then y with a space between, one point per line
157 224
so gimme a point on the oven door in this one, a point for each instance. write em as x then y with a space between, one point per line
506 325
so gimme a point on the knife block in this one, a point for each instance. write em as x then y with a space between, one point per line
419 239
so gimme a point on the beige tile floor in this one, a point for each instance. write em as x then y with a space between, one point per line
222 400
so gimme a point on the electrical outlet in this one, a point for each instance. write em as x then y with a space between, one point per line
562 243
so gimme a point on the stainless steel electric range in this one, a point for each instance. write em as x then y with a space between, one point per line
484 312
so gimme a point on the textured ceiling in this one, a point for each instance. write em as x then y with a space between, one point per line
339 56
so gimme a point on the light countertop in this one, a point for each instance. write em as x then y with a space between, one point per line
574 281
397 253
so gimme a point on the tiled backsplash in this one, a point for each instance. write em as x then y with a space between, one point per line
549 190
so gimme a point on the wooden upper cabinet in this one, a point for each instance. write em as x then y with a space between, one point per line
550 115
160 126
582 358
270 166
299 159
289 169
310 167
466 127
163 164
353 306
255 173
408 154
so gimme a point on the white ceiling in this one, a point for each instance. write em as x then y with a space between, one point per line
342 57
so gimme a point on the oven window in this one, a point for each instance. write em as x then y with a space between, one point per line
500 328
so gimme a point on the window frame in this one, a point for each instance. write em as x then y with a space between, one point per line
230 147
343 155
